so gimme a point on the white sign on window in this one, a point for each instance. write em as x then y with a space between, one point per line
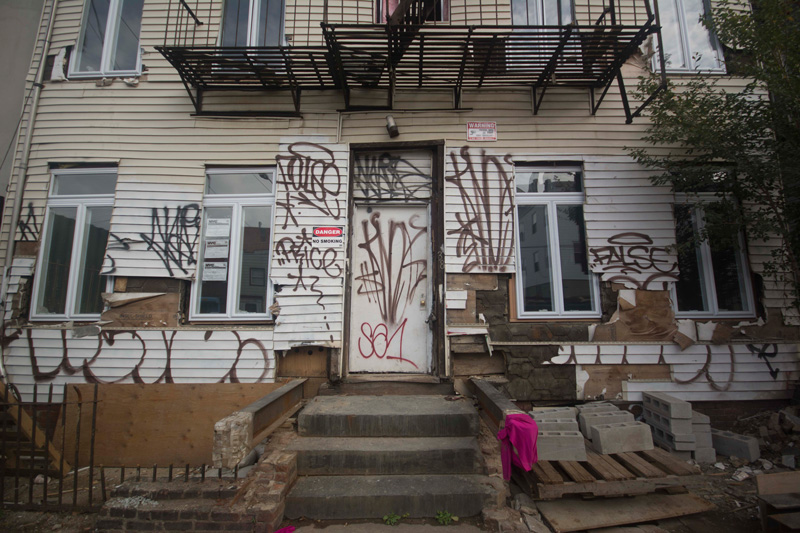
481 131
215 271
218 227
217 248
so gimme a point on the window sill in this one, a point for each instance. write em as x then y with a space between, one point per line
513 313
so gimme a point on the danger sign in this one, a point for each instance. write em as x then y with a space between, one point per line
328 236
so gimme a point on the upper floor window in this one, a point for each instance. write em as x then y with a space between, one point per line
253 23
553 277
541 12
76 226
233 274
109 43
688 45
437 10
712 282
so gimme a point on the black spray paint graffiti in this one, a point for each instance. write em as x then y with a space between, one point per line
390 275
115 243
631 253
299 252
485 224
385 176
310 178
762 353
29 226
173 235
106 341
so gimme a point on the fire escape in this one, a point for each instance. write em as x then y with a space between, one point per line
342 48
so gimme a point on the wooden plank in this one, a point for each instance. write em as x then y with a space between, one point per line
636 464
576 472
546 474
606 489
606 467
779 483
671 464
788 521
578 515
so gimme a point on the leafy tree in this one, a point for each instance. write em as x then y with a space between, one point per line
742 146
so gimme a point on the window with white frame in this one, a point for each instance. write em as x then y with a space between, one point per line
541 12
688 45
712 282
438 10
76 226
233 274
253 23
553 277
109 42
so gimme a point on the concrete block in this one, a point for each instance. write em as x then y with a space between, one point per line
674 442
622 437
557 424
732 444
703 439
561 446
667 405
700 418
705 455
542 413
670 425
588 419
597 407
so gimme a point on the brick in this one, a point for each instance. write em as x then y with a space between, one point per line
238 526
178 526
667 405
193 514
705 455
190 493
140 525
622 437
109 523
675 426
558 424
209 526
549 413
561 446
225 516
685 443
590 418
124 512
732 444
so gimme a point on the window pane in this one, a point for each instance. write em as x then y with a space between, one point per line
576 280
94 34
700 41
125 54
671 33
238 183
254 259
537 284
90 283
270 23
234 26
57 254
555 181
214 264
728 279
551 12
84 184
691 287
523 12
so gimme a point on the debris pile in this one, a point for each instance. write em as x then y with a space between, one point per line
777 433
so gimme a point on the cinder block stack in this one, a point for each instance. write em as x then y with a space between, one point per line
671 420
559 438
701 427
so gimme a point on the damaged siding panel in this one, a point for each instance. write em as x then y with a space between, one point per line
144 356
311 191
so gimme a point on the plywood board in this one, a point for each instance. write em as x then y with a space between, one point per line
468 364
609 378
578 515
156 423
159 311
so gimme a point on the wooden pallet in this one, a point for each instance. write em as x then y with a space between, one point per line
621 474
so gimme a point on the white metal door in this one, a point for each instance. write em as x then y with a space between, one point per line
390 289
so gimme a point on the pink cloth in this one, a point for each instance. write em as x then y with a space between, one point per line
518 441
289 529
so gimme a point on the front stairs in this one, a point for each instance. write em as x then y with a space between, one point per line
369 456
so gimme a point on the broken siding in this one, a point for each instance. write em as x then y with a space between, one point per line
700 372
43 356
310 191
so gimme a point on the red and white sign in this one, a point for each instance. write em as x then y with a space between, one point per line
481 131
328 236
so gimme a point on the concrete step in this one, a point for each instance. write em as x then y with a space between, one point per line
350 497
387 416
386 388
323 456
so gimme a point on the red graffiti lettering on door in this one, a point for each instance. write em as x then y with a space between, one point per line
379 341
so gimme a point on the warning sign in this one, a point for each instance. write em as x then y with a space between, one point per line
481 131
328 237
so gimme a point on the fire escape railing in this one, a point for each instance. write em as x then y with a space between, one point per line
342 47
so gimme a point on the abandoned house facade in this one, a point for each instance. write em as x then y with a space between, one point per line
211 191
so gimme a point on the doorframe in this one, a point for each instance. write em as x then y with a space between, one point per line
436 231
